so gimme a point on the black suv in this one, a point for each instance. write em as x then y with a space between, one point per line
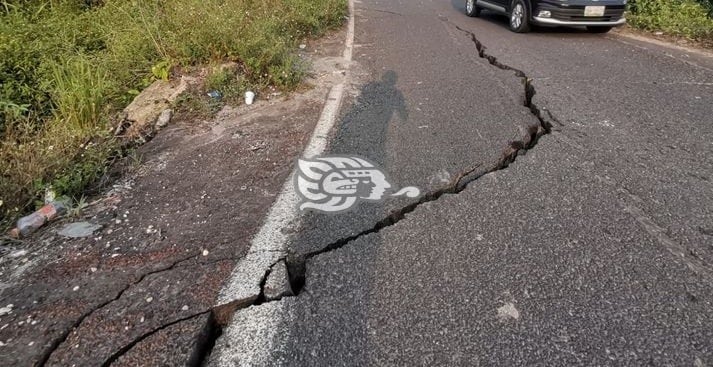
599 16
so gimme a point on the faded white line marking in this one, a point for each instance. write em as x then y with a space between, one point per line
249 340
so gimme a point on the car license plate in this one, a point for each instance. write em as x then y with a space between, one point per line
594 11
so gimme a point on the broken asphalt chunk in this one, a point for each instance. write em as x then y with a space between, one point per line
277 285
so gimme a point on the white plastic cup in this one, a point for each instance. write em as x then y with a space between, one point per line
249 97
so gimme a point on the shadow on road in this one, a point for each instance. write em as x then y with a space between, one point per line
364 127
363 130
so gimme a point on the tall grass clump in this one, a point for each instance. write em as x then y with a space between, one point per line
68 67
685 18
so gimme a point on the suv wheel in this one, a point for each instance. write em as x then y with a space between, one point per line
519 17
471 9
598 29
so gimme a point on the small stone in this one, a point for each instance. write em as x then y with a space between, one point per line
149 299
277 285
93 270
79 230
508 311
6 310
30 344
303 46
76 288
205 252
17 254
164 118
184 308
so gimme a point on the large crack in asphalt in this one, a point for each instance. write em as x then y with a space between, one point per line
297 263
61 339
203 347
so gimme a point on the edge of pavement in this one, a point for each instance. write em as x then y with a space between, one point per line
269 246
627 36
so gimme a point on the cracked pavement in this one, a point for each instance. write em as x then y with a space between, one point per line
567 215
566 219
142 289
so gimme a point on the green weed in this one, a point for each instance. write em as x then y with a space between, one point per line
686 18
162 70
68 66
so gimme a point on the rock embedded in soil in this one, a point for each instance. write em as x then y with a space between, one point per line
79 230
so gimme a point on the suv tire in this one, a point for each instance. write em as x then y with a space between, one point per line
519 17
471 9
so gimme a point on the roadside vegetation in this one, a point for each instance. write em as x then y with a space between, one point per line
68 67
685 18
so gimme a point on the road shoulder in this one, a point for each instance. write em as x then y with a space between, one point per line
170 234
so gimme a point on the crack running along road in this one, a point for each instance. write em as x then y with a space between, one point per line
65 335
329 272
297 264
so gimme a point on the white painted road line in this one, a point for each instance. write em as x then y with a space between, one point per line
270 243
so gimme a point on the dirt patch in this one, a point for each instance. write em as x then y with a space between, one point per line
171 233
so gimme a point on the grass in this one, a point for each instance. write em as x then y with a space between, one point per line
685 18
69 66
229 81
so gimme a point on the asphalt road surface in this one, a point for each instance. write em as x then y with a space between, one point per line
567 216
